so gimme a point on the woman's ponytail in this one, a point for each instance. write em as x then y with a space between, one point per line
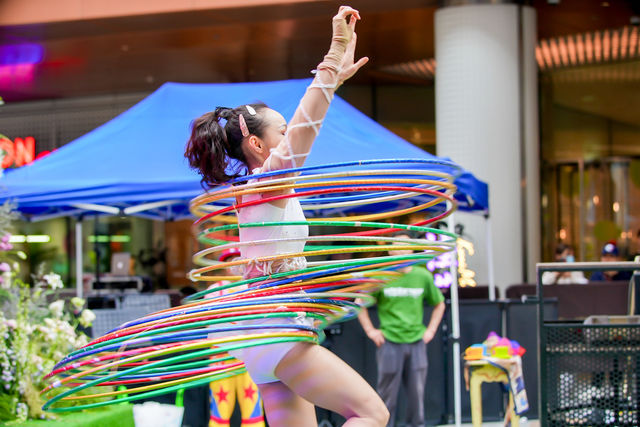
211 144
208 148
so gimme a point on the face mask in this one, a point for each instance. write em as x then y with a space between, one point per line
570 258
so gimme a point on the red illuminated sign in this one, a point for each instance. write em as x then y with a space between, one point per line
18 152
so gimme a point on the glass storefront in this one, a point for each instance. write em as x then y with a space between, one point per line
103 236
47 246
590 147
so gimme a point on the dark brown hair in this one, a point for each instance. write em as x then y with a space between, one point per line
212 144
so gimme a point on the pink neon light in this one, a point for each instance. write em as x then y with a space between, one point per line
16 74
18 61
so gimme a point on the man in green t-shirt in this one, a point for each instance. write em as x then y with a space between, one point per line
401 339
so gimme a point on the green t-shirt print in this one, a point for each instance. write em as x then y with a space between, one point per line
400 305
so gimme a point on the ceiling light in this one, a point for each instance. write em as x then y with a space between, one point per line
573 50
588 48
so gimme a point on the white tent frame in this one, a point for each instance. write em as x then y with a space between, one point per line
455 317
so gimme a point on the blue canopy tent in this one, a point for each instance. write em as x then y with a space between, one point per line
134 164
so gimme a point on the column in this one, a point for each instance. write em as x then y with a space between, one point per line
487 121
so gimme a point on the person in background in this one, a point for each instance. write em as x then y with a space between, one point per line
402 336
610 253
564 253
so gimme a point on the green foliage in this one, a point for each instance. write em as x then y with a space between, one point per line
7 407
34 335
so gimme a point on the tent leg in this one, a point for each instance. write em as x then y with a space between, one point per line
79 257
492 277
455 334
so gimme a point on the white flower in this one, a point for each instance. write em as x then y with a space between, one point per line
22 411
53 280
57 308
66 329
81 341
77 303
11 323
86 318
36 359
5 280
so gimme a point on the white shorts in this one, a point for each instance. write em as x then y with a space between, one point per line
261 361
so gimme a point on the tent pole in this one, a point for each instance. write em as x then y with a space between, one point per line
455 331
79 257
492 277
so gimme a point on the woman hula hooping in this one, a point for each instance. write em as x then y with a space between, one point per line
292 377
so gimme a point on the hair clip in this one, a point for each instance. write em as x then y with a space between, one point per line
250 109
243 126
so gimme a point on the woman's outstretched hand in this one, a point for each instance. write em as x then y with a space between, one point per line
339 59
344 25
348 68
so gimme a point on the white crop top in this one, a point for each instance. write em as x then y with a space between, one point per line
266 212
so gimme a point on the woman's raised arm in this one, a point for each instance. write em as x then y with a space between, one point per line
338 65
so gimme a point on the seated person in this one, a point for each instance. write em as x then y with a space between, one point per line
563 253
610 254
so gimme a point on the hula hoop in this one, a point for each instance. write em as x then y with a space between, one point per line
190 345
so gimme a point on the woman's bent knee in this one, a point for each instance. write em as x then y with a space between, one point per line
374 411
381 413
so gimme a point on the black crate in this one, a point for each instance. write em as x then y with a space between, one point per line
590 375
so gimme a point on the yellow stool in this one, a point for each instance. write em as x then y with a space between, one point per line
484 372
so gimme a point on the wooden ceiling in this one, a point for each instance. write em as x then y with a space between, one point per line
281 41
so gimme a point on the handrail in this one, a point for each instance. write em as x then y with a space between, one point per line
587 266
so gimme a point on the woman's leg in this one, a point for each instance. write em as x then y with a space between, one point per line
283 407
322 378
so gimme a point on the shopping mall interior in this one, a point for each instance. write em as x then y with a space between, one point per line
571 116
